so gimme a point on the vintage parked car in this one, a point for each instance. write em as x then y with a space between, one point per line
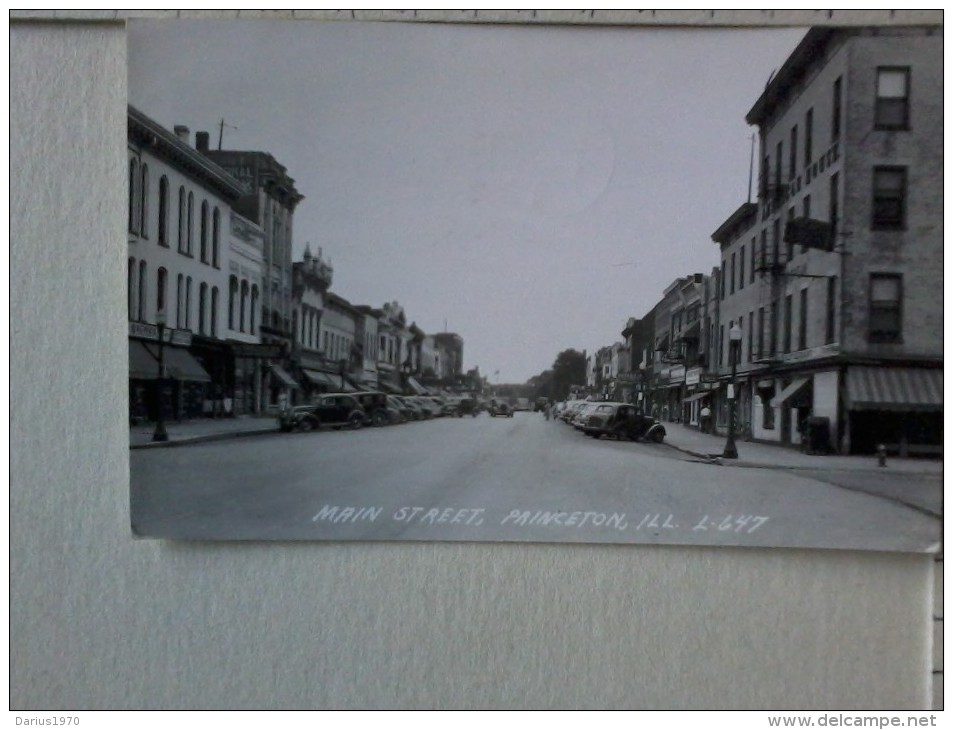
427 406
622 421
580 415
374 404
467 407
336 410
500 408
404 411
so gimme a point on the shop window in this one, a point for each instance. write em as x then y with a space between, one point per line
767 413
886 294
892 109
890 190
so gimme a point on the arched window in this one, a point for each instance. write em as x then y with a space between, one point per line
213 319
215 235
144 205
188 238
133 196
203 305
254 308
203 233
142 291
164 210
161 278
131 282
241 311
188 303
232 293
179 296
181 218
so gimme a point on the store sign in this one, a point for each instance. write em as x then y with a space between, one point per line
693 376
708 378
151 332
270 352
677 373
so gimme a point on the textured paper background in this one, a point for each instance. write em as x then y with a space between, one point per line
101 621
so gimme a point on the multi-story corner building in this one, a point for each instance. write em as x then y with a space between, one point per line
452 346
339 341
834 277
269 202
311 279
639 339
178 270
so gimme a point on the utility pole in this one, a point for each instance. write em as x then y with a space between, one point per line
221 131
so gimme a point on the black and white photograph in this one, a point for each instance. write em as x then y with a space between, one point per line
619 285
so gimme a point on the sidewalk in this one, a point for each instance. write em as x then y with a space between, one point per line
755 455
202 429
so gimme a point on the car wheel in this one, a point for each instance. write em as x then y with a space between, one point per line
657 436
306 425
379 418
355 421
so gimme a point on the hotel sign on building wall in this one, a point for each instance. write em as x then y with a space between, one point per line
144 331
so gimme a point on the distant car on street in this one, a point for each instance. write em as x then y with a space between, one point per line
334 410
500 408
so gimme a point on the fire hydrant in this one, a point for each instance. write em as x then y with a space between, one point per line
881 455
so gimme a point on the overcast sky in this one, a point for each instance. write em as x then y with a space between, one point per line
531 187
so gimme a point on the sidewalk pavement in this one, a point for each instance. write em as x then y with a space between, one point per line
203 429
760 455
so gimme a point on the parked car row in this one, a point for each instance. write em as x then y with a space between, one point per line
620 421
369 408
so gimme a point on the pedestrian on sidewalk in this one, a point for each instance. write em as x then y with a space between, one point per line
705 418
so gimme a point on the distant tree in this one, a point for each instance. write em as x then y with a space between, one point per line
569 368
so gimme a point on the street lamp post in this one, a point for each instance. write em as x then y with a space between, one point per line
160 434
734 339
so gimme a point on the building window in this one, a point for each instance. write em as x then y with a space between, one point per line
142 291
232 292
831 332
787 323
892 110
764 247
181 218
215 236
721 345
164 211
886 291
776 242
241 305
808 136
779 154
161 280
767 414
760 333
213 314
835 116
732 274
133 196
806 212
131 274
724 273
144 204
203 306
773 329
790 252
188 238
802 322
179 295
793 153
188 303
203 232
753 247
890 189
834 204
750 336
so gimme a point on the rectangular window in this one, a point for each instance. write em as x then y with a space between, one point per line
802 322
892 110
760 332
741 269
753 265
764 247
765 174
793 153
831 333
889 205
741 345
886 292
833 207
835 116
724 273
808 136
732 273
776 243
750 336
787 323
806 212
777 170
773 329
790 244
721 345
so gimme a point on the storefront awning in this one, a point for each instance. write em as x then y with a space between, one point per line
282 377
142 365
319 378
182 366
789 392
696 396
416 387
894 389
692 332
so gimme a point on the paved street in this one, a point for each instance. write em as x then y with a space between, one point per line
501 479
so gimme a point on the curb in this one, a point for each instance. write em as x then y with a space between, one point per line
189 440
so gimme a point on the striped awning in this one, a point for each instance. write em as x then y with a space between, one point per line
894 389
